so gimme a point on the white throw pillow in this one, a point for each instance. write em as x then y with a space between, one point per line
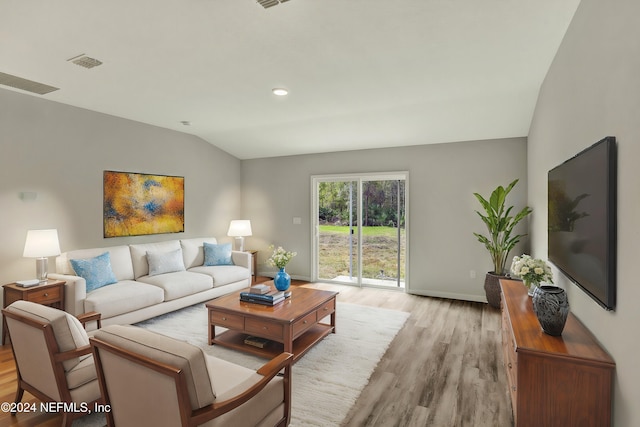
165 262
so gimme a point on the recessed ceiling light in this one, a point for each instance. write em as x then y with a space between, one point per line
278 91
186 123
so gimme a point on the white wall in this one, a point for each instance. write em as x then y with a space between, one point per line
592 90
442 180
60 153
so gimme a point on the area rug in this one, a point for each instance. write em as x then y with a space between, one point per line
326 381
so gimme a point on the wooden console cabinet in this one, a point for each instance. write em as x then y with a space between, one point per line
554 381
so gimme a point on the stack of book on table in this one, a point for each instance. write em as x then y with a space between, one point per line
262 294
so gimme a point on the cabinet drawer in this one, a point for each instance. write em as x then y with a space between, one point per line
231 321
44 296
264 329
328 308
303 324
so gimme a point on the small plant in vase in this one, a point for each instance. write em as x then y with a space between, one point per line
531 271
280 258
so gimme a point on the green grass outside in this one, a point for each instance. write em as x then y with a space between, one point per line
379 248
366 231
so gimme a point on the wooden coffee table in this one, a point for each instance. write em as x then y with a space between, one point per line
293 326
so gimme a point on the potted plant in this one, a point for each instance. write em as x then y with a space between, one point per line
499 241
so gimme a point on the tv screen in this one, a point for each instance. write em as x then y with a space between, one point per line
582 220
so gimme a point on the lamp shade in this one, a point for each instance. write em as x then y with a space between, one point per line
41 243
239 228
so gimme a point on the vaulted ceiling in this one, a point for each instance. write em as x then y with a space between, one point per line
360 73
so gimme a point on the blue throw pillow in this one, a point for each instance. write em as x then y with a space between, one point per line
96 271
217 254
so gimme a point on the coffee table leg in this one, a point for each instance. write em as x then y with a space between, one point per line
212 333
288 341
333 321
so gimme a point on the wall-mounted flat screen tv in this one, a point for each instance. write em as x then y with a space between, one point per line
582 195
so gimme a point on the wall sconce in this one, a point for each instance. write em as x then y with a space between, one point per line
41 244
239 228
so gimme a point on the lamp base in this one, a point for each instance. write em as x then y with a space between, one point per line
239 244
41 269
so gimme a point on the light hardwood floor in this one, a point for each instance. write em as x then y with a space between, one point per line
444 368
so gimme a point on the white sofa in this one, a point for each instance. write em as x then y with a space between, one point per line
137 295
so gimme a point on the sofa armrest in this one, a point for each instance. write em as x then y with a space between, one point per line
75 292
242 259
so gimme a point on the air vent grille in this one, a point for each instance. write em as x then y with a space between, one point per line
24 84
268 3
85 61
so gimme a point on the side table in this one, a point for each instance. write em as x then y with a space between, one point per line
49 293
254 265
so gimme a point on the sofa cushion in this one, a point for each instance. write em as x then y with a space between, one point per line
179 284
215 254
67 330
120 260
138 255
122 297
180 354
193 250
165 262
95 271
223 274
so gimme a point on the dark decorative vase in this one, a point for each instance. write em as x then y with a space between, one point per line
551 306
282 280
492 289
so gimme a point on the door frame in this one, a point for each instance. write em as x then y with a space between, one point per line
315 232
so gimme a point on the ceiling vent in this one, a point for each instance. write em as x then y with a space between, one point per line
268 3
24 84
85 61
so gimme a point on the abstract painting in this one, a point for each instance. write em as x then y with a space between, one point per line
136 204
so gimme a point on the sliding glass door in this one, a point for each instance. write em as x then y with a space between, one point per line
360 228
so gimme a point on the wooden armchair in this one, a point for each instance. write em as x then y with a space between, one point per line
54 361
151 379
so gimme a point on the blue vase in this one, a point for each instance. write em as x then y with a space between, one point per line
282 280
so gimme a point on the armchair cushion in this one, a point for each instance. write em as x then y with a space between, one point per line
68 331
167 350
83 373
231 380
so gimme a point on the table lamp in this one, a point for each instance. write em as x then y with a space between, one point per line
239 228
41 244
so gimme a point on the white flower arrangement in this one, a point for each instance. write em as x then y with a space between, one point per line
531 270
280 257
